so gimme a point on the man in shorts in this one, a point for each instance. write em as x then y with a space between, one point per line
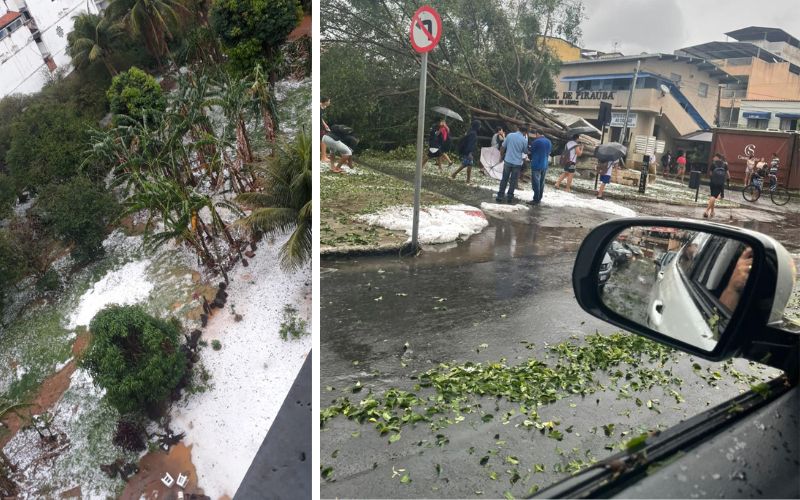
719 175
574 150
337 147
605 177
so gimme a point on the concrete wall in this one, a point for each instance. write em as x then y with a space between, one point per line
772 107
564 50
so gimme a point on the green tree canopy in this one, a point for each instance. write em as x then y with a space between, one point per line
12 264
136 94
78 212
47 145
252 30
135 357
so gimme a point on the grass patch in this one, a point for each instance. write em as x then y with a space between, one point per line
345 197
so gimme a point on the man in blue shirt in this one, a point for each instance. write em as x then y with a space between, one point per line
539 154
513 151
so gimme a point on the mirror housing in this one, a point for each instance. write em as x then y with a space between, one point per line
753 330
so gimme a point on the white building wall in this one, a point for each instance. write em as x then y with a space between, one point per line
25 70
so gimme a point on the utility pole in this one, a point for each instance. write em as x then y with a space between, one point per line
719 102
630 100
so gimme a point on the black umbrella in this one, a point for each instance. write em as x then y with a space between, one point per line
612 151
447 112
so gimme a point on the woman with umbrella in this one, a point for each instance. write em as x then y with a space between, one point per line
438 143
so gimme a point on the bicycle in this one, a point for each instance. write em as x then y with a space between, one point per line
779 195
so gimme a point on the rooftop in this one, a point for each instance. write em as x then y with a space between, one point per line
734 50
701 63
8 18
755 33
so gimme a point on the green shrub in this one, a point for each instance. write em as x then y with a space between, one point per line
216 345
12 264
78 212
292 325
135 357
252 30
46 145
136 94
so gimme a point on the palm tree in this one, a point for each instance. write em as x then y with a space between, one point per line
91 40
285 202
152 20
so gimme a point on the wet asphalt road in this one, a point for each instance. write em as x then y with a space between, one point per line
481 300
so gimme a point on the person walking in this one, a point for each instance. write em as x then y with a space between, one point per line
569 159
437 143
748 169
774 166
467 149
324 102
498 138
666 161
512 152
605 177
719 175
681 161
539 154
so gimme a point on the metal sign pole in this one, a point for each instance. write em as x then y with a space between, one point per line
423 77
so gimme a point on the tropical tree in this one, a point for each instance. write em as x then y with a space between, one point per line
263 102
285 202
135 357
154 21
92 39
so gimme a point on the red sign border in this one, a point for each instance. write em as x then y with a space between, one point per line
415 19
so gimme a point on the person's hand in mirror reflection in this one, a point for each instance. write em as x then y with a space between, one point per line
730 296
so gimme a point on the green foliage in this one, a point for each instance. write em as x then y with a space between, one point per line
216 345
135 357
292 325
136 94
489 63
92 40
285 203
252 30
78 212
49 282
47 144
154 22
12 264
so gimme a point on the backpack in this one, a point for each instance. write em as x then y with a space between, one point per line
719 174
566 156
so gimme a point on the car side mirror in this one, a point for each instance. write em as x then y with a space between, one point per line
708 289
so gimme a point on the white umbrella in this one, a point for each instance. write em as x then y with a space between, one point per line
447 112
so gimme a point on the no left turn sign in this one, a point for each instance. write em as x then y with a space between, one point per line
426 29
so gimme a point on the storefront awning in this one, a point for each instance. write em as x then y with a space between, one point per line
758 115
791 116
697 137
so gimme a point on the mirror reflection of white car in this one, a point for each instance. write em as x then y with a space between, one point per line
605 270
683 303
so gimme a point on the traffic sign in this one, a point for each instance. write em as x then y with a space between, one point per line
426 29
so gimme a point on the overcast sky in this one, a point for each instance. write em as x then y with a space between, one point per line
666 25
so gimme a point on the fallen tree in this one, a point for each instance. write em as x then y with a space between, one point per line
491 63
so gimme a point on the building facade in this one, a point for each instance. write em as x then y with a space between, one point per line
33 41
765 63
777 115
674 96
